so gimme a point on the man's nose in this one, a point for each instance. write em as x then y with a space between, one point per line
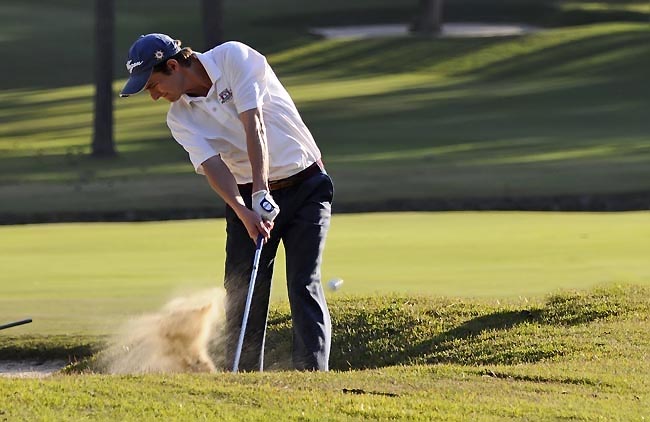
154 94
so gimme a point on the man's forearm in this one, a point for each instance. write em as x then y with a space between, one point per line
256 144
223 182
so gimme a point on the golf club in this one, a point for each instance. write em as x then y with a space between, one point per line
16 323
249 298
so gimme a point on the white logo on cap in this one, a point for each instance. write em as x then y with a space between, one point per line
159 55
130 66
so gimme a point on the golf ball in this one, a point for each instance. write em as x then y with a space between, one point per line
335 284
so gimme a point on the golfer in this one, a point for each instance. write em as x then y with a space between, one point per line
242 131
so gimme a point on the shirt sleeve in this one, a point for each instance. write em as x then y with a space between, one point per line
198 148
245 68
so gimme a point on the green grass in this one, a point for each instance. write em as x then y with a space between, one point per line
383 331
561 112
453 316
443 316
105 272
571 356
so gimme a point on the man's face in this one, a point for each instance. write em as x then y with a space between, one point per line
169 87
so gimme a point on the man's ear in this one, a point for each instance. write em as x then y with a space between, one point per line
172 65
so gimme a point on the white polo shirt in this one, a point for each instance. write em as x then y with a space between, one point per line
207 126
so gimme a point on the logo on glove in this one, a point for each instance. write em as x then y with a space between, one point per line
266 205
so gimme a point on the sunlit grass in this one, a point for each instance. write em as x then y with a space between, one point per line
112 270
631 6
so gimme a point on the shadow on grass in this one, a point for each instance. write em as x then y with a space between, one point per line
351 58
524 122
578 57
502 320
49 347
496 123
520 56
43 28
76 165
391 331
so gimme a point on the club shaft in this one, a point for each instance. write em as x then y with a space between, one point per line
249 299
16 323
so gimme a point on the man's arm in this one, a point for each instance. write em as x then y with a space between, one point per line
258 155
223 182
258 152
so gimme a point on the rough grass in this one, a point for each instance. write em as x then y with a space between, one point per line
386 331
574 355
380 331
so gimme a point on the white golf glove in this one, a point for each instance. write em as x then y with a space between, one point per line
264 205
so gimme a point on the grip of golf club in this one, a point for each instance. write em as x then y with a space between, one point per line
249 299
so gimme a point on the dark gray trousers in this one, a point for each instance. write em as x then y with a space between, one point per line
302 225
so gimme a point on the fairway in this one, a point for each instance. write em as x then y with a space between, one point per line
86 278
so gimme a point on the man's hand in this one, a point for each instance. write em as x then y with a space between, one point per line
265 206
223 182
254 224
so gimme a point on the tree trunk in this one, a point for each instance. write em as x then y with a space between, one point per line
103 145
212 14
429 18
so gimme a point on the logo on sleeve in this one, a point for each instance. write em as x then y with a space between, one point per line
225 96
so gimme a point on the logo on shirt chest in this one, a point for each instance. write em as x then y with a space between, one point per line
225 96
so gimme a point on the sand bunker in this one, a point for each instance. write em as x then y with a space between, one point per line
30 368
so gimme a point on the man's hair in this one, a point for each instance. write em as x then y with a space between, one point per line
183 57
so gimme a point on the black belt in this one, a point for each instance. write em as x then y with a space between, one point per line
294 180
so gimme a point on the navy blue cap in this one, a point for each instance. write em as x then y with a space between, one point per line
146 52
